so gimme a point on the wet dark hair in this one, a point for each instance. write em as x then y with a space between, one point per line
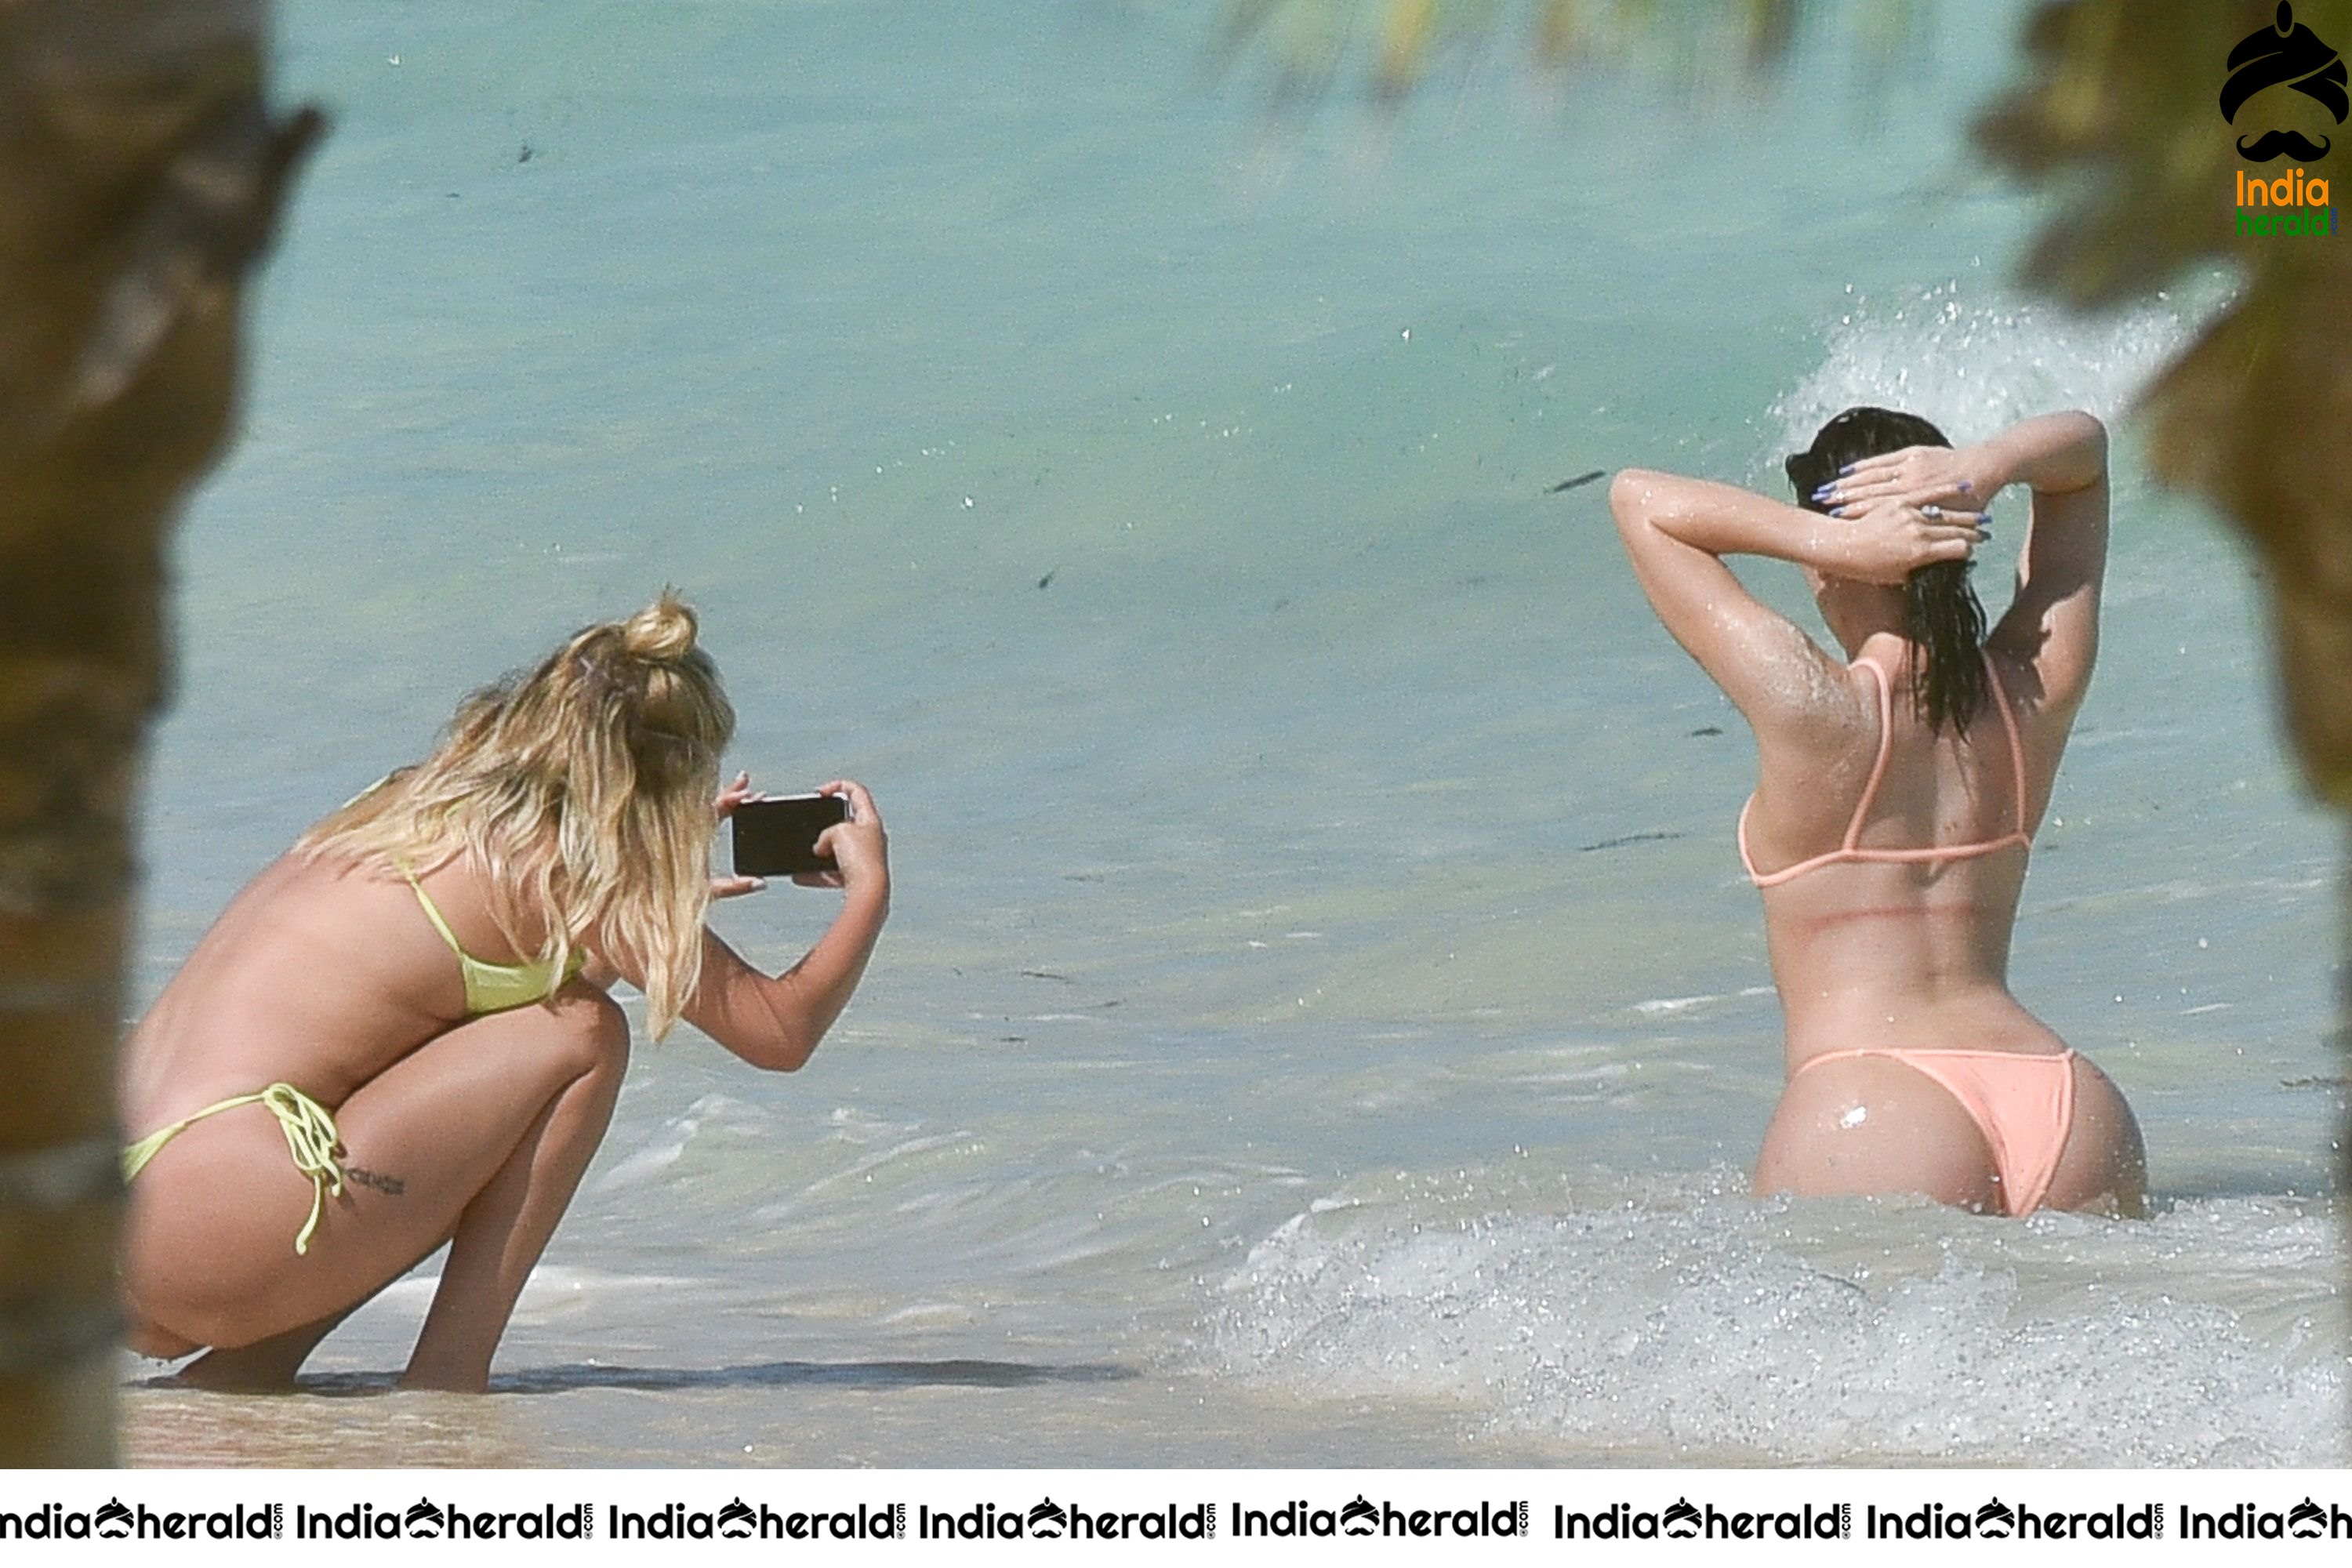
1940 612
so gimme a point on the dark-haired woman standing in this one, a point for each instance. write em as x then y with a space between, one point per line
1899 793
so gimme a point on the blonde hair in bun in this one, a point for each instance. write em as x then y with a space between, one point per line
582 788
663 631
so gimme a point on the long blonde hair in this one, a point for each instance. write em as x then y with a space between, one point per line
582 790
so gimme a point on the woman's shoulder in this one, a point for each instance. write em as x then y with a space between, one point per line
1839 709
317 880
301 916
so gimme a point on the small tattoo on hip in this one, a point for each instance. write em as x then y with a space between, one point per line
390 1186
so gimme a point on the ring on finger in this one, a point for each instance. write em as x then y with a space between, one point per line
1932 512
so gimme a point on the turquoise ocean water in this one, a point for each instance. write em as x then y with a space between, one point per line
1322 1021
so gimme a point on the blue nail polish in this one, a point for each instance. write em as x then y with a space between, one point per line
1837 511
1844 472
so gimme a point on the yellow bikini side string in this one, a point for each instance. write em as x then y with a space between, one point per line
310 1137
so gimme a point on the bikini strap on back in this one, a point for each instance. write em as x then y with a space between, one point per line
2016 747
1879 766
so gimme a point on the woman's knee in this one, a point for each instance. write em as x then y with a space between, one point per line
592 1029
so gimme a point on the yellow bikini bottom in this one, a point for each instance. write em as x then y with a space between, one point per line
310 1138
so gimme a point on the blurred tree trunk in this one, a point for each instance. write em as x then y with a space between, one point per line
139 173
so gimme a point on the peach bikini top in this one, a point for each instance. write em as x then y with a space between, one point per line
1851 850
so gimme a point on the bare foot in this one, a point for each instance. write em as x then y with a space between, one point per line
254 1369
415 1381
265 1366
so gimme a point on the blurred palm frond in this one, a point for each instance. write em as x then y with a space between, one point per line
2119 117
1386 46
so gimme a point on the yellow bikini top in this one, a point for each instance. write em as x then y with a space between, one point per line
495 987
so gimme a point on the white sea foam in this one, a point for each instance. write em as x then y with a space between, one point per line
1973 357
398 1309
666 1147
1702 1326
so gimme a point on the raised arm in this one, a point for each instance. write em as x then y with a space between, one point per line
2052 625
775 1021
1676 531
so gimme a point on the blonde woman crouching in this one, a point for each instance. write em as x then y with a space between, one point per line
398 1034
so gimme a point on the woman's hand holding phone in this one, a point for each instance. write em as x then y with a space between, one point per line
855 849
859 847
731 796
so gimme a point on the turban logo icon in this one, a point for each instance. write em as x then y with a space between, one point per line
2289 54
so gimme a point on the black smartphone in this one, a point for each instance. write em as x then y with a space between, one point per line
777 837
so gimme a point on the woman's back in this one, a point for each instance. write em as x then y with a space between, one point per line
1899 792
1891 871
317 973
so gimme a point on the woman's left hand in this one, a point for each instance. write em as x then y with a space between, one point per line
1920 476
1891 539
731 796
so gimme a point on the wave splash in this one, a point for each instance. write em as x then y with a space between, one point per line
1706 1327
1974 361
